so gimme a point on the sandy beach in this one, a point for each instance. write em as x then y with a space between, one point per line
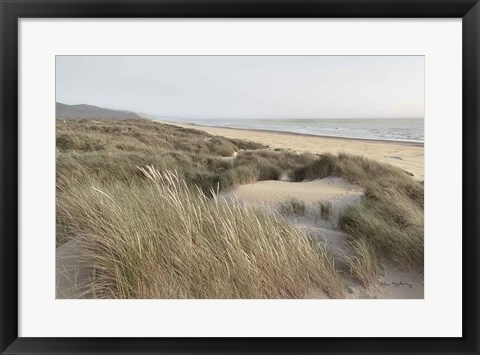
408 156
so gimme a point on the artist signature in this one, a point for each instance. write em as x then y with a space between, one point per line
396 284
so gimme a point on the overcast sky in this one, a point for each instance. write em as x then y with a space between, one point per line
247 86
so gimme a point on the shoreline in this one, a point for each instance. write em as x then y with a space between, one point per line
180 124
408 156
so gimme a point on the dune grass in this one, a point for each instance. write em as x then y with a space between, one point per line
389 223
164 239
362 262
293 206
325 209
109 148
390 220
356 169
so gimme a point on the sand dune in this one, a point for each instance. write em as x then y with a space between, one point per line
337 191
74 276
408 156
393 283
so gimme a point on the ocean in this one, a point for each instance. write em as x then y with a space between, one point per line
406 130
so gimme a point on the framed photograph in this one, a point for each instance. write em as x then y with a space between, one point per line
239 177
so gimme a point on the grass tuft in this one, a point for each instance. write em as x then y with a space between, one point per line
293 206
325 209
362 262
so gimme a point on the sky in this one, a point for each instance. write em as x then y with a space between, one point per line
216 87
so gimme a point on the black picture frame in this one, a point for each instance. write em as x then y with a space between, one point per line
12 11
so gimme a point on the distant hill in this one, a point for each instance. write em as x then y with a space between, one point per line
91 112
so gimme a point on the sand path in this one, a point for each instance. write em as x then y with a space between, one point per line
408 156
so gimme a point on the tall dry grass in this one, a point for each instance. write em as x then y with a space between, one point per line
163 239
390 221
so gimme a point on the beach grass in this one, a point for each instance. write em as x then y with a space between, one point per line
355 168
165 239
325 209
109 149
293 206
389 222
362 261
